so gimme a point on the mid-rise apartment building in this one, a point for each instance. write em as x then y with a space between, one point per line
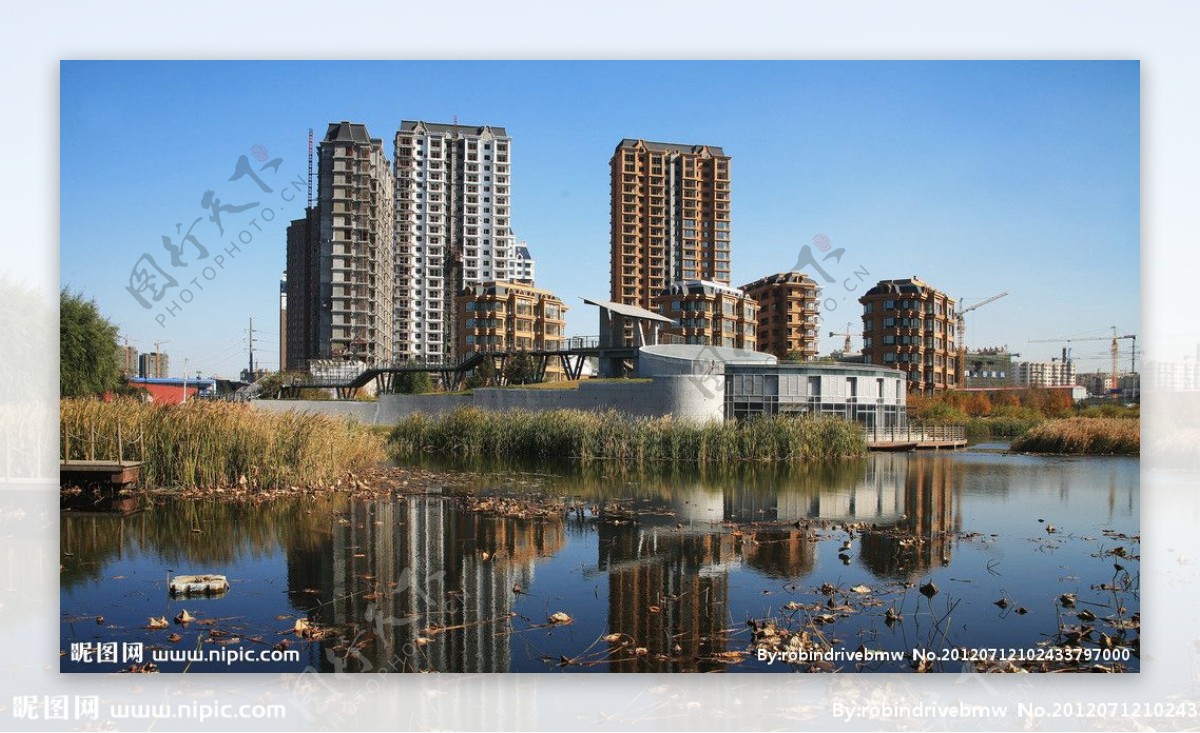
788 319
509 316
1053 373
354 243
709 313
452 227
670 218
910 325
991 367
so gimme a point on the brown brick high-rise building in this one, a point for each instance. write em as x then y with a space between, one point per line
788 322
670 218
910 326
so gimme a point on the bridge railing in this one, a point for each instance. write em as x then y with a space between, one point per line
912 433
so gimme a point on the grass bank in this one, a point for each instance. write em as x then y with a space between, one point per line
590 436
212 444
1083 436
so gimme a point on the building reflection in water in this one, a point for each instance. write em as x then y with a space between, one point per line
399 571
395 570
669 583
924 535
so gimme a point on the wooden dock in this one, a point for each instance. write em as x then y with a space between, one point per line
116 474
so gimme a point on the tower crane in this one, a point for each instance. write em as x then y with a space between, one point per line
846 333
1114 379
961 333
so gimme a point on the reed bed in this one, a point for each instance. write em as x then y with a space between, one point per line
1083 436
215 444
591 436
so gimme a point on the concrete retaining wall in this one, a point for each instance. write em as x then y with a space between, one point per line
695 399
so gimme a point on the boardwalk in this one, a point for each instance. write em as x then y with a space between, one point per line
916 437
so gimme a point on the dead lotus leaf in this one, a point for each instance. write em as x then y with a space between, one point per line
558 617
861 589
157 623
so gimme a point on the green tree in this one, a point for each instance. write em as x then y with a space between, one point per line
89 358
520 369
483 375
414 383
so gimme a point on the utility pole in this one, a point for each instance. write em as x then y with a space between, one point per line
250 346
184 400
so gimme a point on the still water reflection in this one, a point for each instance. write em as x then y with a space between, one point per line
669 563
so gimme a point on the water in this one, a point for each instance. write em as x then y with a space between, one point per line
674 563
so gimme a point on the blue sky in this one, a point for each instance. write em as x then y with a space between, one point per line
979 177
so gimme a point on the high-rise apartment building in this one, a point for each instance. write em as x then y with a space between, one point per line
910 326
452 227
303 291
670 218
153 365
355 192
283 321
521 266
709 313
788 320
129 361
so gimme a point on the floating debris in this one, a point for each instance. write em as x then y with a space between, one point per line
559 617
183 617
198 585
929 590
159 622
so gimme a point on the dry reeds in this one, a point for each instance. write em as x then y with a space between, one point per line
213 444
1083 436
587 436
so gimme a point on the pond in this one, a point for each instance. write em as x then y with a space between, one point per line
861 566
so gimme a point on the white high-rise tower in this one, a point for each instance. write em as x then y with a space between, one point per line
452 227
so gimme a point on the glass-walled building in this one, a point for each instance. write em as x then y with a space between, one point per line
871 395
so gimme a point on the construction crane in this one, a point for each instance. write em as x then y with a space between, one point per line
846 333
1114 351
961 333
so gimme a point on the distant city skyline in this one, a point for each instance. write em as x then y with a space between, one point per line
978 177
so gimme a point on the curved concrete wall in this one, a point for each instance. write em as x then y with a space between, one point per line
692 398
